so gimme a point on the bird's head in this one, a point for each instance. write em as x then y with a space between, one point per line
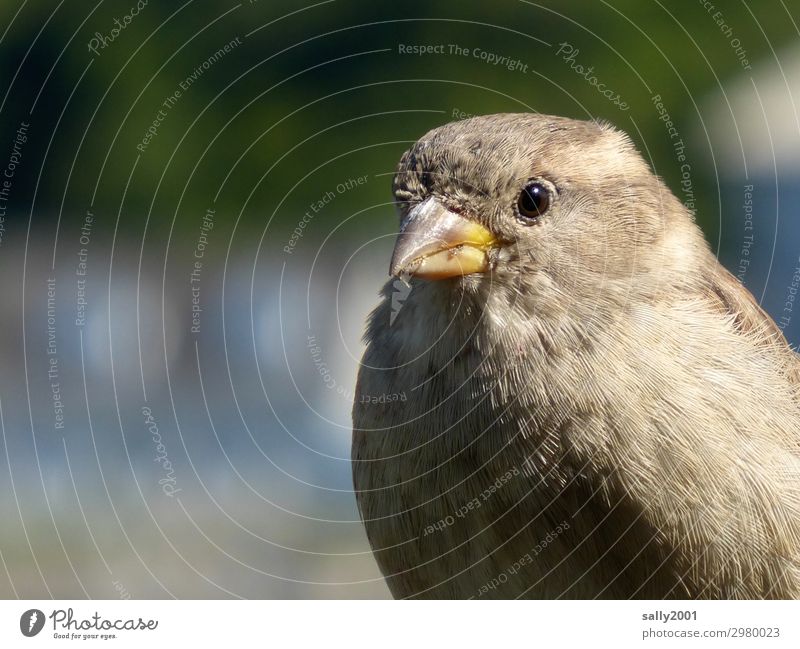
505 198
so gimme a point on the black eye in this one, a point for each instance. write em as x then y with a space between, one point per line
533 201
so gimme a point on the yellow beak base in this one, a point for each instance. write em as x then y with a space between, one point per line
436 243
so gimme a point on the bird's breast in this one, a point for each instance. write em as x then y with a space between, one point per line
454 484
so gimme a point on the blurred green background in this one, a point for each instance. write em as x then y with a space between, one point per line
318 80
282 106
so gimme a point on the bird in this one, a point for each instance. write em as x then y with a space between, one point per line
592 405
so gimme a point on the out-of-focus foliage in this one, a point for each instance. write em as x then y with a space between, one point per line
253 119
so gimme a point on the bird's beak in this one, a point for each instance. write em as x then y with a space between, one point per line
435 243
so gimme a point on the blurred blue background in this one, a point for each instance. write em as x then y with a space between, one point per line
175 383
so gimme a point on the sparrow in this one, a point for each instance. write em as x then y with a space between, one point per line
594 407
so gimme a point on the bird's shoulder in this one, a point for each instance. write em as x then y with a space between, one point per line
729 297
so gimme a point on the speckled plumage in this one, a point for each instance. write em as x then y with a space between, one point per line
635 387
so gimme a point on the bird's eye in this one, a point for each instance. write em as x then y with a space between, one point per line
533 201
